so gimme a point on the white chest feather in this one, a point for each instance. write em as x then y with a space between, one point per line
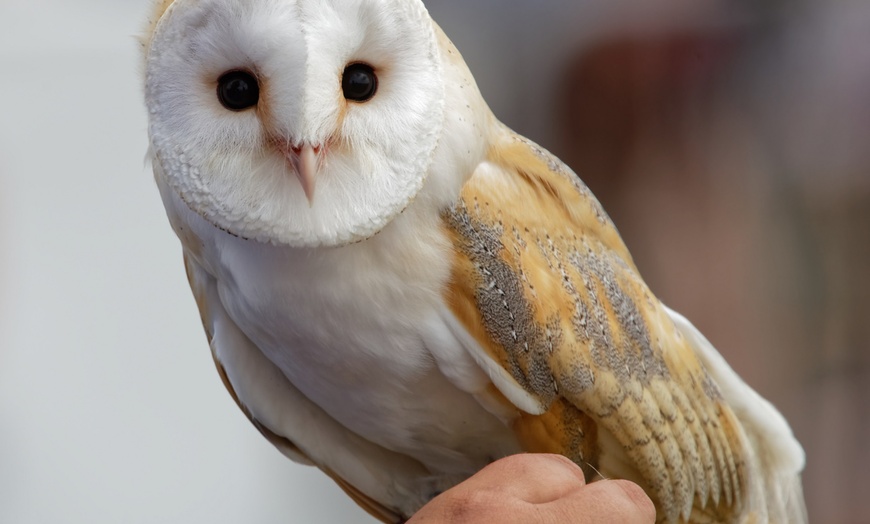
347 327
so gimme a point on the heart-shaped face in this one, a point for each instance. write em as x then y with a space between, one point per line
297 122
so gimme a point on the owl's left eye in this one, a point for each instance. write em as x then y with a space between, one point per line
358 82
238 90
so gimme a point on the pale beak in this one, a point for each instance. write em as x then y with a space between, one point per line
306 163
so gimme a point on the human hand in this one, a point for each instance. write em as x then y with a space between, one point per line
538 489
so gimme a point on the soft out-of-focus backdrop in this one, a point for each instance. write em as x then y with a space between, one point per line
730 142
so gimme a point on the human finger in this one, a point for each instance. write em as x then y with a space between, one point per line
534 478
602 502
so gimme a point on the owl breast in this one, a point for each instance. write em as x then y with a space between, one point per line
344 325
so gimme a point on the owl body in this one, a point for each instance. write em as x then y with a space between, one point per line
354 319
398 289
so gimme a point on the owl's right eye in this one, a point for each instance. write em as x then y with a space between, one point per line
238 90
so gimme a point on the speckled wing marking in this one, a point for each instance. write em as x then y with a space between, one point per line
545 285
285 445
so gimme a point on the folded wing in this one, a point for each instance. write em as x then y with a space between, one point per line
546 298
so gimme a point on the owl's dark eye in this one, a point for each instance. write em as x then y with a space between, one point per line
359 82
238 90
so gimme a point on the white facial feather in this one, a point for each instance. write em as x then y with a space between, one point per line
225 164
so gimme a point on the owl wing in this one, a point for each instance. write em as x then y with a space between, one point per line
546 298
371 475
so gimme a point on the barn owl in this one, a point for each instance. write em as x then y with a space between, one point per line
398 289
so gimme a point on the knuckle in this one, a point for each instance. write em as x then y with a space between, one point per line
636 499
471 504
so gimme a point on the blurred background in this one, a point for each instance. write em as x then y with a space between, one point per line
729 141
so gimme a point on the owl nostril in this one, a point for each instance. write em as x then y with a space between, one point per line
298 149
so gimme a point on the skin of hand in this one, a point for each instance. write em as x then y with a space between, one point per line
538 489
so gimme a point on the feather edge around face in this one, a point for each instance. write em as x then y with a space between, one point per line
223 165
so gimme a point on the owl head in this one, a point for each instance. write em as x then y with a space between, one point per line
296 122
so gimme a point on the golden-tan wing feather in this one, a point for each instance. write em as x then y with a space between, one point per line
545 286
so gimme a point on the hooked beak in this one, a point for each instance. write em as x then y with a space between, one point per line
306 162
